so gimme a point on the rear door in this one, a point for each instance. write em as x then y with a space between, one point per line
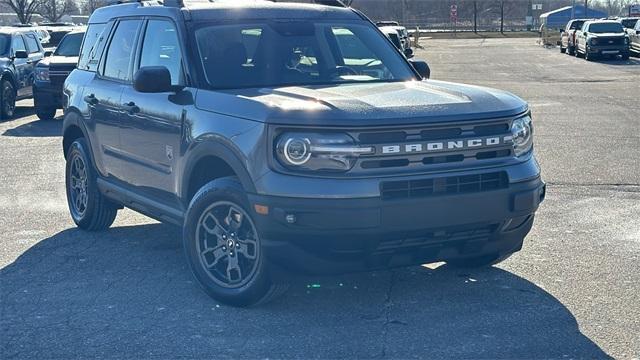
103 93
151 130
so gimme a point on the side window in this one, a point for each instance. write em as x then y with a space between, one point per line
94 41
32 43
161 47
17 44
120 51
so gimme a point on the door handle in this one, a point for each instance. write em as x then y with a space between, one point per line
131 108
91 99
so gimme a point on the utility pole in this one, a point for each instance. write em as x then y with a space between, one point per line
502 16
586 8
573 9
475 16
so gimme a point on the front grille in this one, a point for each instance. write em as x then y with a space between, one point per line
605 41
433 135
463 184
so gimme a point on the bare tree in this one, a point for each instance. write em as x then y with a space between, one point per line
24 9
54 10
89 6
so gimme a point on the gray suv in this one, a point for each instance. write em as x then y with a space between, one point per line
290 136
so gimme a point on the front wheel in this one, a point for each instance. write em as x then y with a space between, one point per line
7 99
89 209
223 246
562 50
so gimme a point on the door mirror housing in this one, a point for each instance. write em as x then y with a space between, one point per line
152 79
422 68
637 32
408 52
48 53
20 54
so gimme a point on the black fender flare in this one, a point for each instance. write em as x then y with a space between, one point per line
72 117
9 75
202 149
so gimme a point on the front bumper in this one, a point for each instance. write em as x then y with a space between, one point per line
351 234
47 95
608 50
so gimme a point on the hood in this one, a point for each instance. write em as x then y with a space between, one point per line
413 102
59 60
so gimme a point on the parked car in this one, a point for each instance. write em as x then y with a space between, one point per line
629 22
404 34
277 142
395 36
634 39
568 36
599 38
20 51
51 73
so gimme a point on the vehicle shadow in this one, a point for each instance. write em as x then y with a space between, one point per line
37 128
620 62
127 292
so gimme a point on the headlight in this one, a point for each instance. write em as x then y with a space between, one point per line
593 41
522 135
318 152
42 73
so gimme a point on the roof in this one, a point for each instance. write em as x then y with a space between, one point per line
227 9
15 30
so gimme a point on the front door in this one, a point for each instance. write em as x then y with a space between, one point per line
151 131
23 67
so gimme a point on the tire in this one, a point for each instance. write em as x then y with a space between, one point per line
562 50
45 113
223 247
571 50
89 209
586 54
478 262
7 99
625 56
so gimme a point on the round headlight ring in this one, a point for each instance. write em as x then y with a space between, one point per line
297 151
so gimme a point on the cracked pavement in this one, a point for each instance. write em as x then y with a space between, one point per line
572 292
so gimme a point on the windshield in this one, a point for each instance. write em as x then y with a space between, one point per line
280 53
629 23
601 28
70 45
5 40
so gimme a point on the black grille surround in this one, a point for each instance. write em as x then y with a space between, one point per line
609 41
379 164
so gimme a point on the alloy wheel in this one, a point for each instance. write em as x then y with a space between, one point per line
227 244
78 185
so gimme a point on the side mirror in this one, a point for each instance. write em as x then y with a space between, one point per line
20 54
637 32
408 52
561 31
422 68
152 79
584 33
48 53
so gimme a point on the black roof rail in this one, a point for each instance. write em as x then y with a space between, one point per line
336 3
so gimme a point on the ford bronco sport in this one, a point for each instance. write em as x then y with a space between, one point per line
288 135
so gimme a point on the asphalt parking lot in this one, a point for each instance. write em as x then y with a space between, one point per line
572 292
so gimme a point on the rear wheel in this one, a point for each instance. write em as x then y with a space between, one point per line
7 99
562 50
89 209
223 246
